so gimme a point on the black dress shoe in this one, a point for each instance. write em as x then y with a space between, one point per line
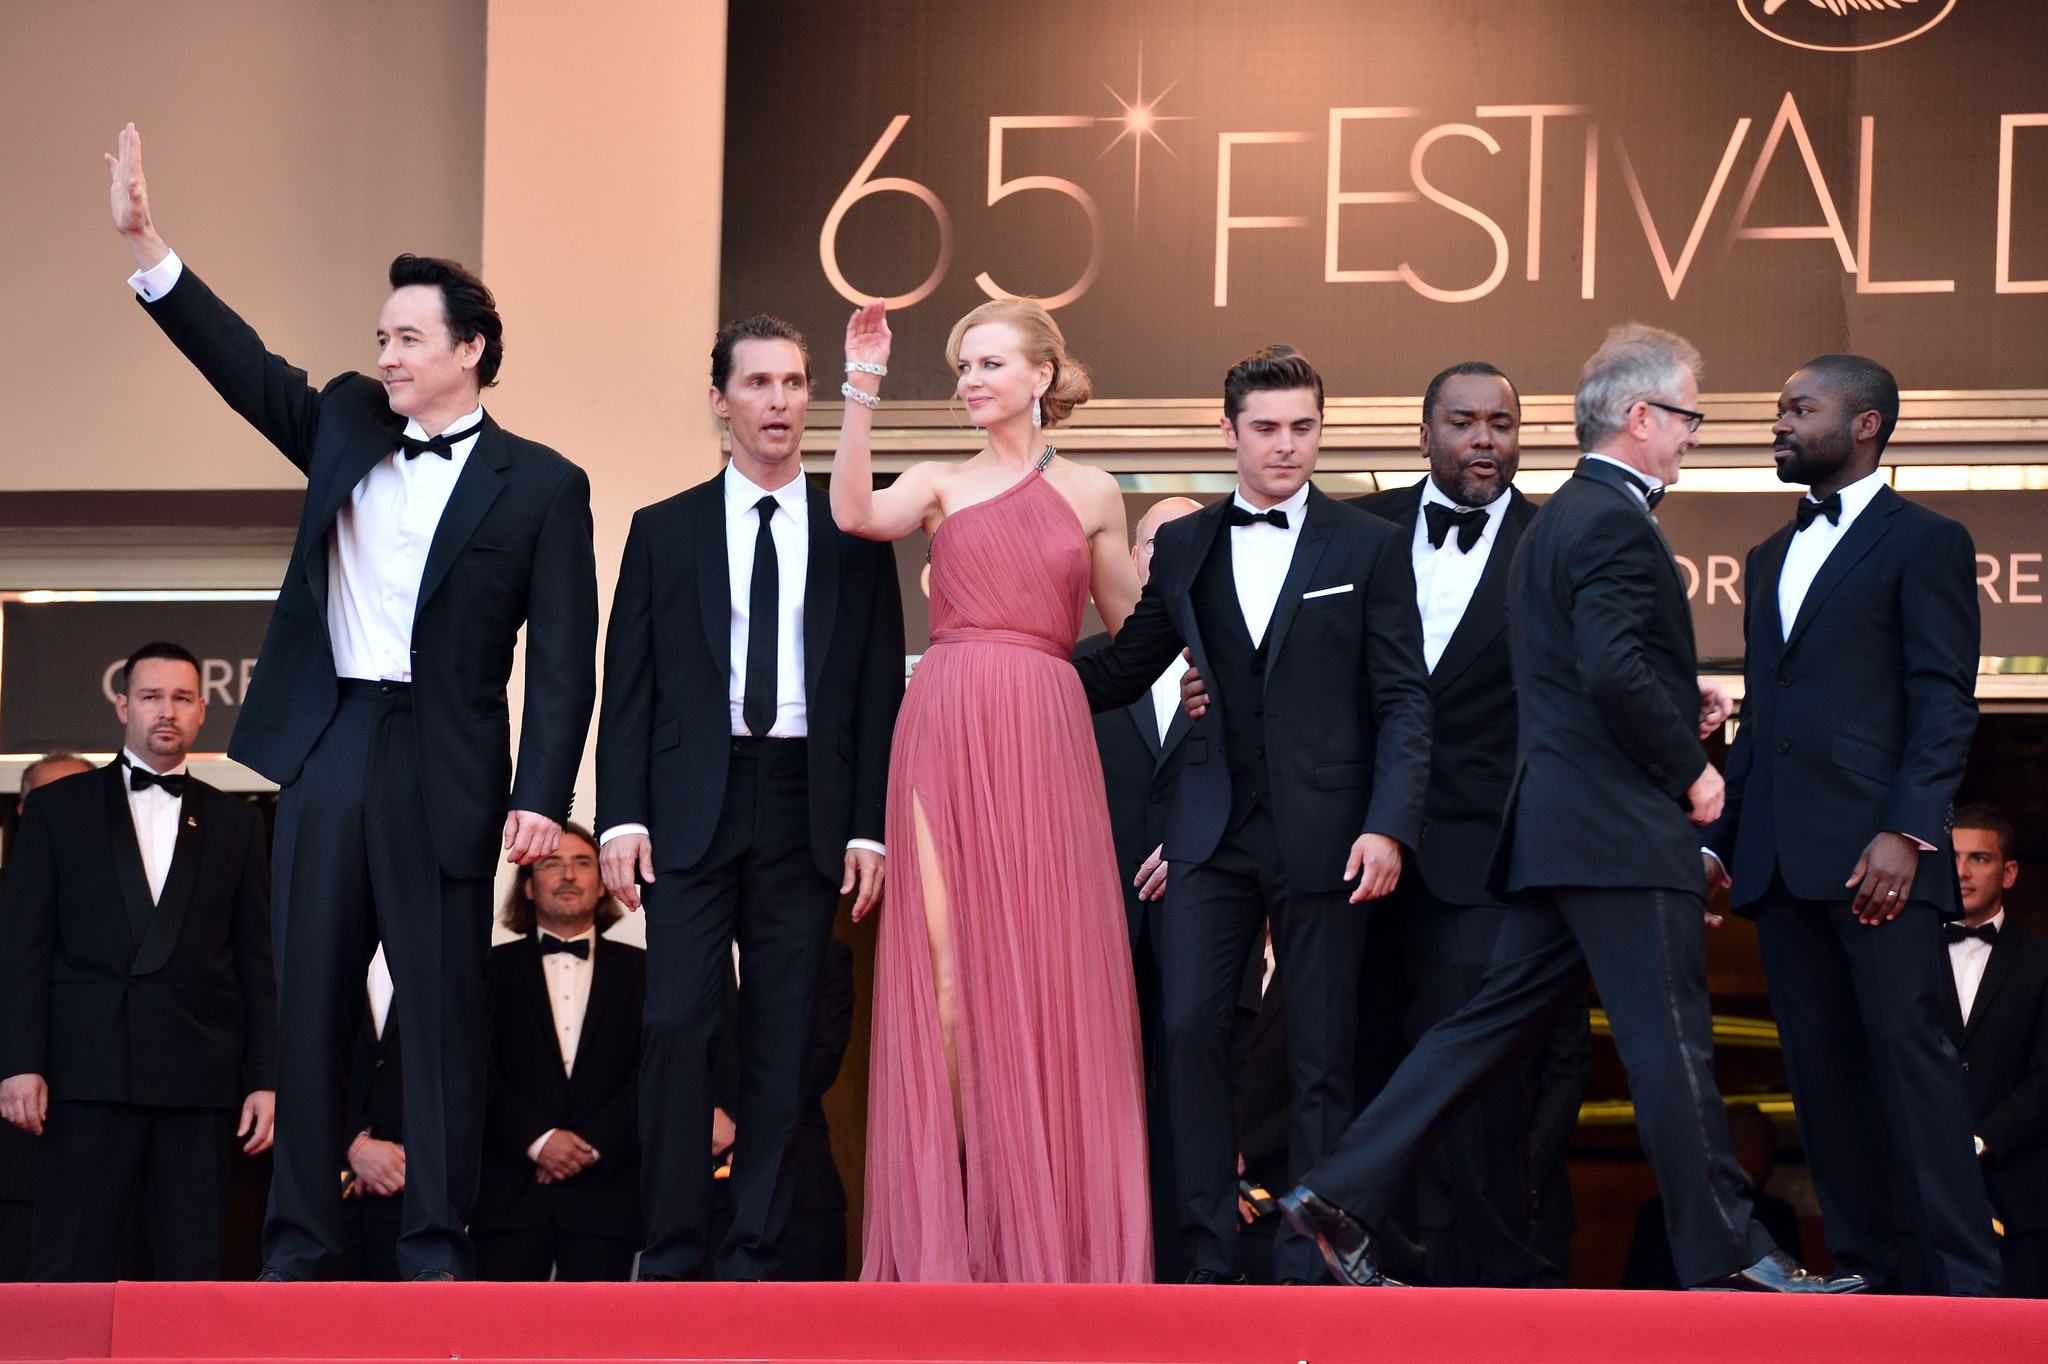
1214 1276
1778 1272
1345 1244
272 1276
1293 1283
433 1276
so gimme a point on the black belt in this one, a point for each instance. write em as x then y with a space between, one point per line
763 746
367 689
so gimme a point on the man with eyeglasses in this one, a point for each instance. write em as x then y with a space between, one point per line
1598 855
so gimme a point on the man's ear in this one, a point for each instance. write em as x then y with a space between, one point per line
1229 432
470 352
1866 426
719 409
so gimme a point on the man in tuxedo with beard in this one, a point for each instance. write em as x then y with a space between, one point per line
1300 785
1857 716
138 1023
430 536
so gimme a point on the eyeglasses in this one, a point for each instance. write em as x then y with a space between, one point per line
1692 418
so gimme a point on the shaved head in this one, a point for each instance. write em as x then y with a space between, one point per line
1157 515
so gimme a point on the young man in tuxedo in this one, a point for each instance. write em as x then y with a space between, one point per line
753 669
1598 854
1998 1020
138 1010
430 535
1300 785
1857 715
561 1182
1141 746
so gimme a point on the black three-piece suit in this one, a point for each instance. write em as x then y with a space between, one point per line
1335 693
1602 869
394 794
149 1019
749 836
1861 723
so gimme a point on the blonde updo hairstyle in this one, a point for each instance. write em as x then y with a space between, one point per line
1043 343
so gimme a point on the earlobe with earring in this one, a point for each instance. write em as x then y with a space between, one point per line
1037 416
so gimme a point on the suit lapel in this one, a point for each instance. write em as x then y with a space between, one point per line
1176 730
603 982
1486 614
168 919
1763 588
365 450
476 488
1862 535
2003 958
1147 721
714 574
127 850
821 585
1308 551
1208 522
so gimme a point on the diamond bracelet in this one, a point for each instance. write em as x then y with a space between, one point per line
870 401
863 367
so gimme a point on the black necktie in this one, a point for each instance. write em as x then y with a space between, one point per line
1471 525
1957 932
578 948
443 445
141 779
763 625
1240 516
1829 506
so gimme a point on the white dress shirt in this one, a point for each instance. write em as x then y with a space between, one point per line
1968 958
1642 480
155 812
1810 547
380 990
1446 576
377 551
1166 695
568 979
1259 556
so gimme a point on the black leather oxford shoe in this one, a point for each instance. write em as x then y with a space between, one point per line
1214 1276
1778 1272
1345 1243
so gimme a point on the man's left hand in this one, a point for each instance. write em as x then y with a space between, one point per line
259 1120
1885 875
1194 692
1716 706
1376 861
864 868
530 837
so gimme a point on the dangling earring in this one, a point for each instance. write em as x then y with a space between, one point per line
1037 416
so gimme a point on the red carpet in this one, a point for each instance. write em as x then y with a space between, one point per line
852 1322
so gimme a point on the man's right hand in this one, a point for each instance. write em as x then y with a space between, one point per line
1194 692
130 197
379 1166
25 1101
1705 795
618 861
562 1156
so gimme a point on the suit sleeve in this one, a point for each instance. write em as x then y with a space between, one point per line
28 947
254 970
1397 683
1614 596
625 727
1939 618
879 697
1125 670
270 394
1720 836
2020 1120
561 655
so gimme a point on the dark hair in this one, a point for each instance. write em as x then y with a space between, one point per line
1268 369
1436 385
759 327
517 913
1868 386
466 305
161 648
1992 820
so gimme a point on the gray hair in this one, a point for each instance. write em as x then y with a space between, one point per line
1634 363
55 755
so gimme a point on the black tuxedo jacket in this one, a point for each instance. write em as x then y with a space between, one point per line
376 1083
1140 776
115 999
665 736
1472 696
2005 1073
1860 722
513 548
1346 699
1607 686
529 1093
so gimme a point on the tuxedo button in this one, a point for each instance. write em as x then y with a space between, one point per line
1784 747
1784 681
1156 799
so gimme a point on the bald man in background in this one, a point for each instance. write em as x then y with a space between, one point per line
1141 747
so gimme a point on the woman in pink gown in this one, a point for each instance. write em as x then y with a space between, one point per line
1006 1118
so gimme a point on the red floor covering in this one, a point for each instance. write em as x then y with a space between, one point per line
1071 1325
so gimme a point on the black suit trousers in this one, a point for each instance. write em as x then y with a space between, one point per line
1646 951
355 864
1859 1011
1209 921
94 1155
757 885
532 1254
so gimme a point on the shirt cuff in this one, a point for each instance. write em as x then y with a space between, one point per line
1709 852
1922 844
533 1151
867 845
620 831
158 279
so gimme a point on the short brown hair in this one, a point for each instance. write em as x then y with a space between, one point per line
517 912
1271 369
759 327
1991 819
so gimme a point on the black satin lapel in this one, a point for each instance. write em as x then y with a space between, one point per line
1208 522
1996 971
1861 537
1406 521
714 575
821 585
1176 730
168 920
537 1004
603 986
1147 720
1486 614
476 488
127 851
1308 552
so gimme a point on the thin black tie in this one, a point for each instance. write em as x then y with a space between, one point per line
763 626
579 948
443 445
1956 932
1809 508
1240 516
141 779
1471 525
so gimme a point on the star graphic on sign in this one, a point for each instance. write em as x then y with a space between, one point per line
1141 119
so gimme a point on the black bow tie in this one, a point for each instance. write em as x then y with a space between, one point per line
1240 516
1957 932
1471 525
579 948
1829 506
141 779
443 445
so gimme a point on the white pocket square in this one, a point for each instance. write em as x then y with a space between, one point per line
1327 591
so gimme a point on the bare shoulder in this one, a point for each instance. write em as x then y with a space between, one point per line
1094 493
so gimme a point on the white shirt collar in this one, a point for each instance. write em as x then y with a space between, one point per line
1856 496
1432 493
1292 506
418 432
1997 921
134 761
742 494
589 933
1653 484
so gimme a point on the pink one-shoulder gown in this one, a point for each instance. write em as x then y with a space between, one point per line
1043 1178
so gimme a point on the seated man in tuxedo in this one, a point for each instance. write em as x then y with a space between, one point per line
138 1016
561 1172
373 1182
1999 1023
17 1146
